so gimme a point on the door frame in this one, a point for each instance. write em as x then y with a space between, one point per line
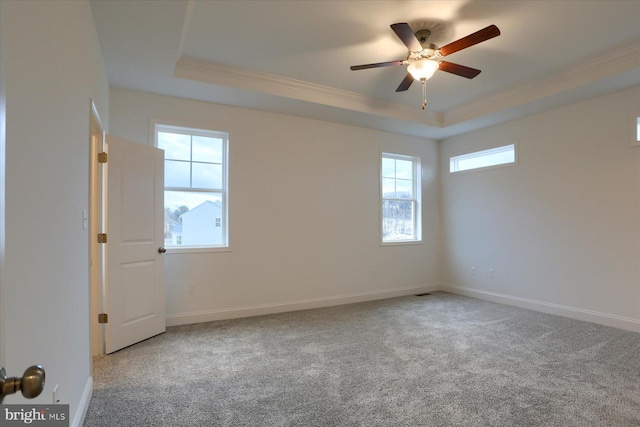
3 141
96 225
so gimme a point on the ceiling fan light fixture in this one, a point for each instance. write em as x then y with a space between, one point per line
423 69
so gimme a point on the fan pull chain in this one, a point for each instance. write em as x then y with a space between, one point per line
424 92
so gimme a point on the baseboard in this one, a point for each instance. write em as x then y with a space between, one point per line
531 304
258 310
83 406
551 308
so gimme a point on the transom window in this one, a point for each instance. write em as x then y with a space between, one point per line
195 184
483 159
400 183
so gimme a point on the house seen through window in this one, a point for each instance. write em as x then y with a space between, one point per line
400 182
195 181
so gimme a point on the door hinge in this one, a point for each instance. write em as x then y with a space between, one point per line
102 157
102 237
103 318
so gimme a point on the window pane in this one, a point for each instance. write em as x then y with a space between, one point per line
388 168
388 187
404 189
207 149
486 160
176 146
404 169
397 220
176 174
190 219
206 175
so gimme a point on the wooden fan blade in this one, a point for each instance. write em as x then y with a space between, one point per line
408 79
459 70
376 65
478 37
405 33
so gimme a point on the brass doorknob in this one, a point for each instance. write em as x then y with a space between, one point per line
161 250
31 384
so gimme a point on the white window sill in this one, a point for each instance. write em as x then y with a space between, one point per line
196 250
401 243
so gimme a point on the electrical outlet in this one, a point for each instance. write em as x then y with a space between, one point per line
191 288
473 271
373 273
491 272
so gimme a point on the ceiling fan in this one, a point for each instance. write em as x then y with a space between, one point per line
425 58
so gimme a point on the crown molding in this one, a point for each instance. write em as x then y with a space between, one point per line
610 64
214 73
598 68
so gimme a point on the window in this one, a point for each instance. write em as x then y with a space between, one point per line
400 183
635 138
195 186
483 159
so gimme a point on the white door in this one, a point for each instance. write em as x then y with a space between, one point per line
135 267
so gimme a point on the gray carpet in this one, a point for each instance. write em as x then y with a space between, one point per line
438 360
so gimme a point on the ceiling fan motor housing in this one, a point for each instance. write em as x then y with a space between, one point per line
428 49
422 36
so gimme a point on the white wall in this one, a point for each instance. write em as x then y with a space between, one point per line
303 216
561 228
53 67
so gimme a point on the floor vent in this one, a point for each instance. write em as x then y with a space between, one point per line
423 295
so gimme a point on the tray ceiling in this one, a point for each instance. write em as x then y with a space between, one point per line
293 57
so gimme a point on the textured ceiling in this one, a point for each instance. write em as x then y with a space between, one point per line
293 57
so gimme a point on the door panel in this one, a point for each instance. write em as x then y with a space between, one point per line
135 270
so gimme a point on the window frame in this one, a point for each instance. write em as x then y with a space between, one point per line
478 153
164 126
416 200
635 130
